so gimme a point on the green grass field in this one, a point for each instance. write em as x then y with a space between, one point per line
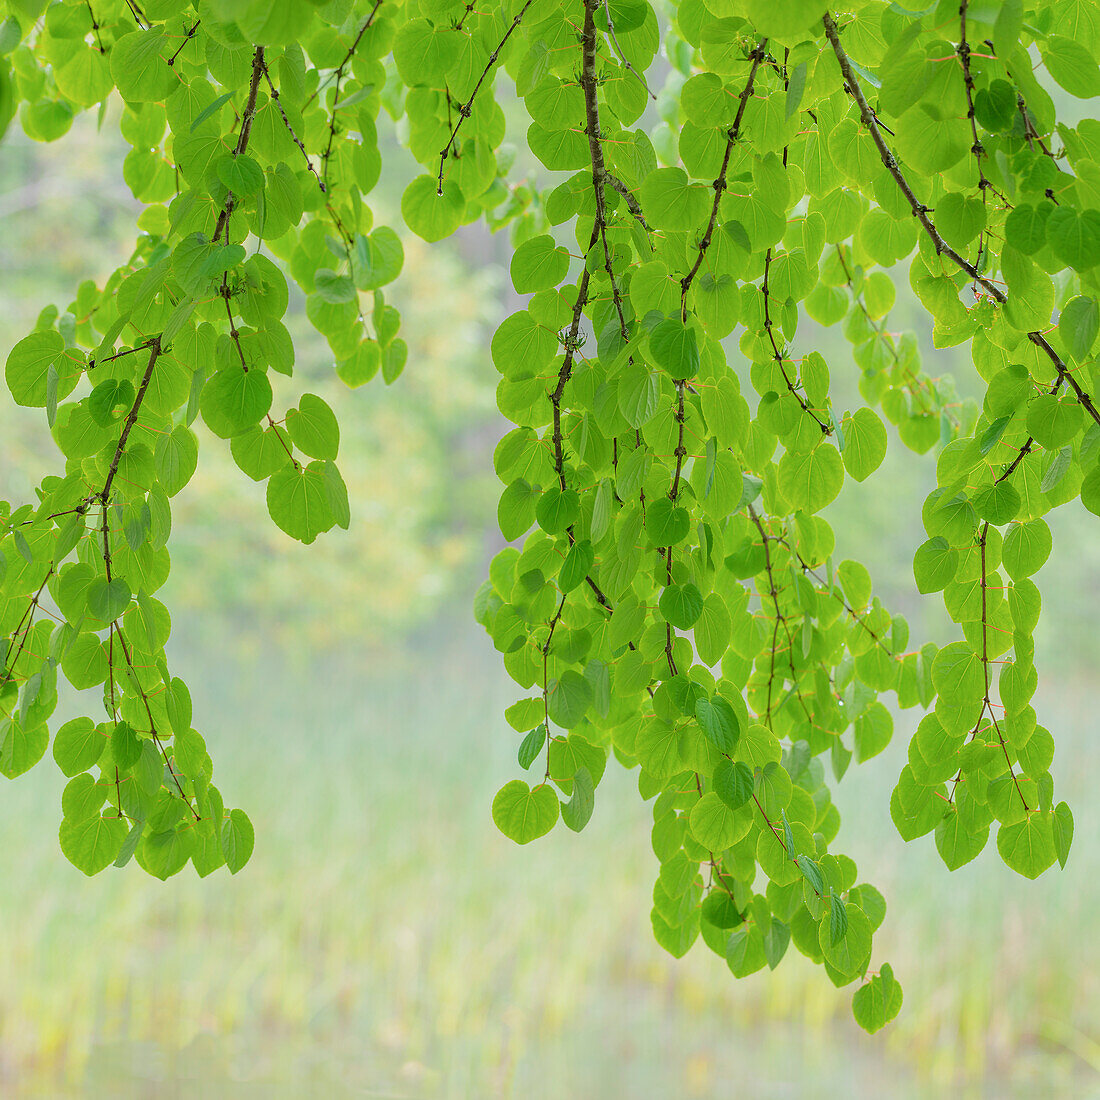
385 940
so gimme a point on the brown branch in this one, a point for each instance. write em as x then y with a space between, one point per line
465 108
131 416
732 136
243 136
632 203
622 56
595 153
986 703
780 618
921 211
778 355
351 51
963 52
914 383
890 163
1040 341
290 129
152 725
186 38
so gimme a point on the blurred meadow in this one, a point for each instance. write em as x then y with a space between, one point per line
386 940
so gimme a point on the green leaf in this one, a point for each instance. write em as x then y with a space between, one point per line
125 745
313 428
712 823
209 110
297 500
1090 491
576 566
1026 548
77 746
811 480
557 510
958 674
428 214
568 698
719 721
639 391
796 85
538 263
666 523
379 258
675 349
108 599
1078 326
992 435
935 564
1062 828
1026 228
811 872
140 72
238 840
878 1001
234 400
733 783
531 746
681 605
865 443
177 457
28 365
838 920
523 814
92 844
671 201
1074 237
1028 846
577 812
1054 422
1071 65
997 503
850 953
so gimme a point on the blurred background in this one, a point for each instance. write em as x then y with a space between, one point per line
386 940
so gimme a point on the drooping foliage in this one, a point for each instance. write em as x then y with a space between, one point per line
700 178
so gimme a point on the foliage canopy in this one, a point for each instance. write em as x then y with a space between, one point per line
673 596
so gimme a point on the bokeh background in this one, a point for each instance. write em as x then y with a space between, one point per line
386 940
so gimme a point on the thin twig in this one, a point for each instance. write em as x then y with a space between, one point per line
465 108
732 136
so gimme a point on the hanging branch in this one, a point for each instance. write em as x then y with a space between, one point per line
117 632
243 136
779 356
921 212
619 51
290 129
632 203
732 136
595 152
546 681
976 148
186 38
914 383
348 56
464 109
95 30
987 705
105 492
780 618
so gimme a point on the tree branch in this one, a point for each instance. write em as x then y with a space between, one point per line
465 108
243 136
732 136
105 493
921 212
